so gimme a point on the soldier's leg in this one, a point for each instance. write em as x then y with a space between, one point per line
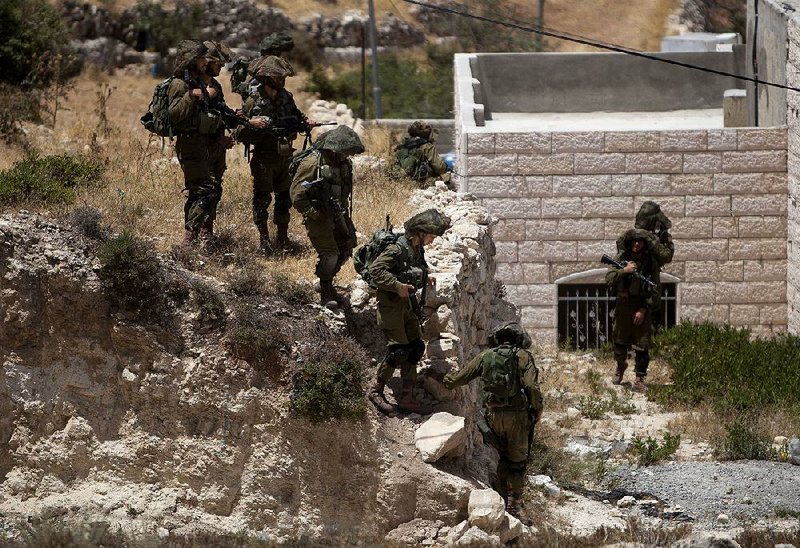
396 354
642 361
193 156
283 202
621 357
320 232
262 197
518 434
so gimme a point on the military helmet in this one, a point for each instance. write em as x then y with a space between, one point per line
430 221
636 234
650 217
218 52
271 69
420 129
276 43
342 140
188 52
509 333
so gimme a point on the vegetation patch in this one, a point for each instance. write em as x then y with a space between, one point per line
49 179
88 221
292 291
209 302
595 407
650 451
255 336
744 440
329 383
133 276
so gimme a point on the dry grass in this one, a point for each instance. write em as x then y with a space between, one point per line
694 424
144 187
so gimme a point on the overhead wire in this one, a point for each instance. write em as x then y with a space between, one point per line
544 31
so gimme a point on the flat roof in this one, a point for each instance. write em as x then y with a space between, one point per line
517 122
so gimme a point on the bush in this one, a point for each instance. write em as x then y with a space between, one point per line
209 302
255 336
49 179
247 281
722 365
291 291
132 276
744 441
650 451
595 408
329 384
86 220
167 27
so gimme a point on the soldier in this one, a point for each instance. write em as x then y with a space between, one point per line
416 155
322 190
275 44
512 405
199 130
652 219
636 303
398 273
268 108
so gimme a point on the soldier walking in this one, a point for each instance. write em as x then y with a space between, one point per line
199 134
416 155
274 122
512 403
637 303
322 192
400 274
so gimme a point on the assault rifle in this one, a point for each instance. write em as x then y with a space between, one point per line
648 283
286 126
415 305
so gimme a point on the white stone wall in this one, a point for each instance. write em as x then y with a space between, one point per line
562 199
793 221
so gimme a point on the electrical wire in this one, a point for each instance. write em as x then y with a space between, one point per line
597 44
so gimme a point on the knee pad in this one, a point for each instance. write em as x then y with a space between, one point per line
416 350
396 355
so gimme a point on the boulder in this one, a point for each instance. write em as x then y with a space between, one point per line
457 532
414 532
478 537
510 529
794 451
487 509
440 435
706 541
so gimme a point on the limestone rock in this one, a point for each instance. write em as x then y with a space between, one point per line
478 538
415 532
441 434
706 541
457 532
626 502
510 529
794 451
486 509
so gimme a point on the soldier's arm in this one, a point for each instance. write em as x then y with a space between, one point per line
471 371
663 249
615 275
437 164
182 106
304 177
530 382
245 133
380 271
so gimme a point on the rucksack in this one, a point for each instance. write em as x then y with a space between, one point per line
365 254
297 158
500 375
156 119
408 156
240 79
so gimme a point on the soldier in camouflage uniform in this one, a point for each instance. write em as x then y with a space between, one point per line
269 106
507 425
416 155
652 219
636 303
321 191
199 133
400 274
276 44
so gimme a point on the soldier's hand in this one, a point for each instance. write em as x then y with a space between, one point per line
630 268
431 281
212 92
405 290
258 122
638 317
197 93
312 214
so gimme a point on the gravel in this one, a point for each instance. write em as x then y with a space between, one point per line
744 490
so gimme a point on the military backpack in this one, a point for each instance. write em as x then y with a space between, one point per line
409 158
365 254
156 119
500 375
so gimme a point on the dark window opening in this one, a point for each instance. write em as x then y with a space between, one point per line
586 314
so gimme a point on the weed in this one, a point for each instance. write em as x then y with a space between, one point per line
329 383
744 441
786 513
292 291
49 179
594 379
650 451
255 336
595 407
248 280
619 406
86 220
133 276
209 302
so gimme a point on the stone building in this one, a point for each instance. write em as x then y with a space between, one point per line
563 148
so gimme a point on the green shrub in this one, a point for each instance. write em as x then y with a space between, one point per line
595 407
329 384
291 291
744 441
248 280
209 302
133 277
650 451
786 513
167 27
255 336
87 220
49 179
595 380
721 365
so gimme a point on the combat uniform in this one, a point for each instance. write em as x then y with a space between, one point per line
198 129
321 191
510 424
633 295
659 241
416 155
272 149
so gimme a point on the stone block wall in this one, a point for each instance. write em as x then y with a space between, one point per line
562 199
793 215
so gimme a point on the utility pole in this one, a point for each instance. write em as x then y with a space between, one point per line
373 42
540 23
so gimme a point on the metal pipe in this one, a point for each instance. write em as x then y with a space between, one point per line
373 42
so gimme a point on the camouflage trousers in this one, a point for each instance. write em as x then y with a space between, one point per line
510 428
270 175
333 241
403 337
202 160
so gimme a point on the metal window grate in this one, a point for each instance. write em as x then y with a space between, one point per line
586 314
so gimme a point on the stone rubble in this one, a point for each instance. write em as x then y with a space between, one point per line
441 435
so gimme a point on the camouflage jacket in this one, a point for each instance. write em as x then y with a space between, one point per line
528 373
259 104
432 166
630 291
190 115
399 263
322 187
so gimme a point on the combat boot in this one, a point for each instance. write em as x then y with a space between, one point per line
282 239
638 384
617 377
514 504
376 396
189 238
206 235
263 238
409 403
328 295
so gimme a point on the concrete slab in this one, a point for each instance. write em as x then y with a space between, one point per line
605 121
